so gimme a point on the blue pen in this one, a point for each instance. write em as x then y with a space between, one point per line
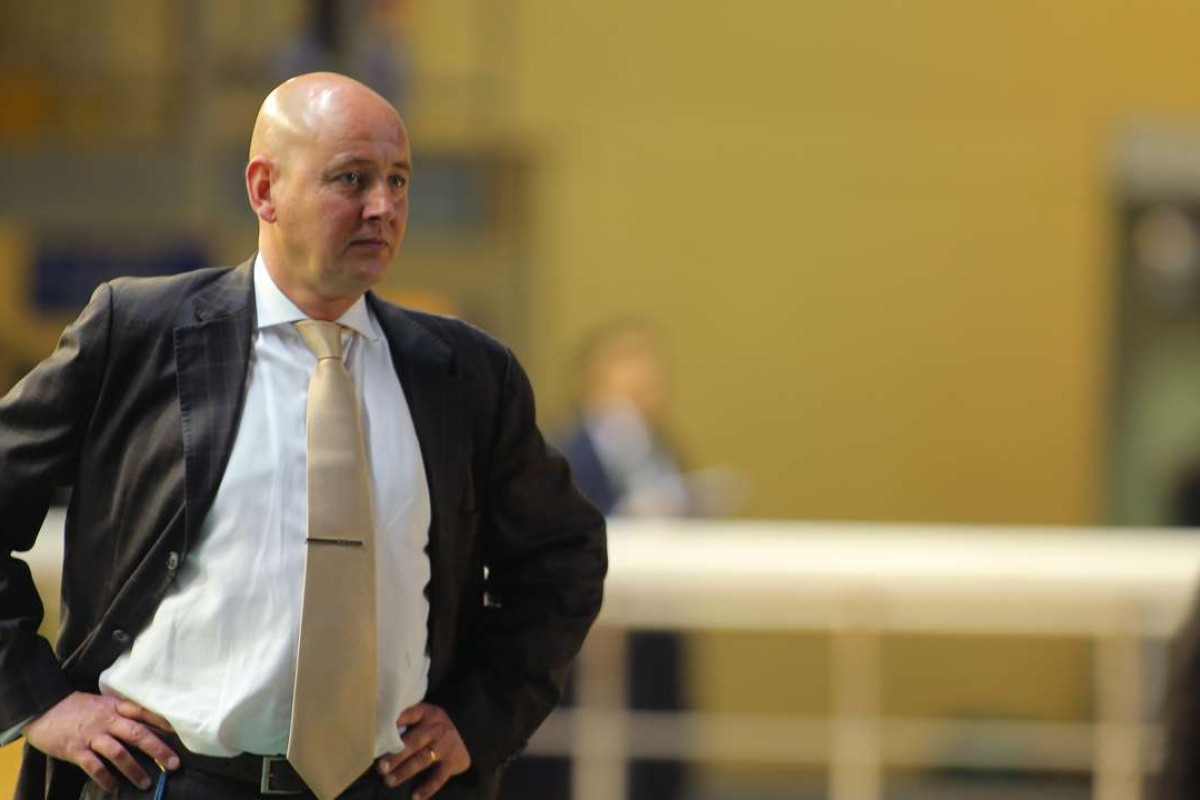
160 787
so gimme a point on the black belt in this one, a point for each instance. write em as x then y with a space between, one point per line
272 775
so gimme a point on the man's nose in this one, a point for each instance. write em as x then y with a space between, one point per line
380 203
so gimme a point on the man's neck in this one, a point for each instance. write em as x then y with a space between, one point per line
312 304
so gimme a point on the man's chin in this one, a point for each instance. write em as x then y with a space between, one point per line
368 271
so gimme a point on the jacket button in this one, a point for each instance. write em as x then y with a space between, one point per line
121 636
172 561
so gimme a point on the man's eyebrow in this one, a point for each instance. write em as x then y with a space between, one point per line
351 161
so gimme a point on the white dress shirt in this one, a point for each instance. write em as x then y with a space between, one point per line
218 659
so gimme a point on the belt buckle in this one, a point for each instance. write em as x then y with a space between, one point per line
264 783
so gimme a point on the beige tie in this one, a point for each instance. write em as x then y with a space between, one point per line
332 736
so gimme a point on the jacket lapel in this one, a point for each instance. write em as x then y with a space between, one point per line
433 388
437 398
212 352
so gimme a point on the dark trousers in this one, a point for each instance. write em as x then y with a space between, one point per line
193 784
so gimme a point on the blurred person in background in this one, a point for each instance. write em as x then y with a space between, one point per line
624 462
619 453
1184 509
177 408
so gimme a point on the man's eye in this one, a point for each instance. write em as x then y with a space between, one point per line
399 181
351 178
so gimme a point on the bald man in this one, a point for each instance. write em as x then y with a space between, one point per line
176 408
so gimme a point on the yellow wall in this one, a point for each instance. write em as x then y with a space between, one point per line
876 233
10 758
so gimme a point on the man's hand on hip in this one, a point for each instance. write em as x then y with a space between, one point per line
86 728
432 745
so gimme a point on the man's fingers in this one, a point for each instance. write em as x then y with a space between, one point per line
413 715
91 764
120 758
391 761
432 746
415 741
418 737
439 766
127 708
411 762
135 733
99 734
130 709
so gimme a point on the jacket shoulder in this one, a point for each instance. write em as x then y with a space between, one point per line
459 335
165 287
462 347
140 304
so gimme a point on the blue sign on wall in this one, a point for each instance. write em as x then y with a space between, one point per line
66 273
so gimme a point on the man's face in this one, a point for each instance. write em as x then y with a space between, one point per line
341 195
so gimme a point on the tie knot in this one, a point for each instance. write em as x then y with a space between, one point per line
323 338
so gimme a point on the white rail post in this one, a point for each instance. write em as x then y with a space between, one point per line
855 768
1118 756
601 720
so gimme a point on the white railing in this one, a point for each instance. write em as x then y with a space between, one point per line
859 583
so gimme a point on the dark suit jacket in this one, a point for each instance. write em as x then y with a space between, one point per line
137 408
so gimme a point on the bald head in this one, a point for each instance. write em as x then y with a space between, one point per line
299 109
328 179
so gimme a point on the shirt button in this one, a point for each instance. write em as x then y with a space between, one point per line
172 561
121 636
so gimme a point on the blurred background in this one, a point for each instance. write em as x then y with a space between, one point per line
929 262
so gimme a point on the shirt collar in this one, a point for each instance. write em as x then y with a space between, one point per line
274 308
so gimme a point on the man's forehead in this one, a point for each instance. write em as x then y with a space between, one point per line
353 157
362 131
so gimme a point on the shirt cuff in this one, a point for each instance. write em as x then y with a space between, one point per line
14 733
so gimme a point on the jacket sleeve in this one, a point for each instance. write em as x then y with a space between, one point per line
545 553
42 423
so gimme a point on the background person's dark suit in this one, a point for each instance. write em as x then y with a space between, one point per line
656 658
655 663
138 407
1179 776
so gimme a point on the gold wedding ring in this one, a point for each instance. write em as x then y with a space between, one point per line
432 754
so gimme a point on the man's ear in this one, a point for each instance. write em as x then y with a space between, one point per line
258 188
